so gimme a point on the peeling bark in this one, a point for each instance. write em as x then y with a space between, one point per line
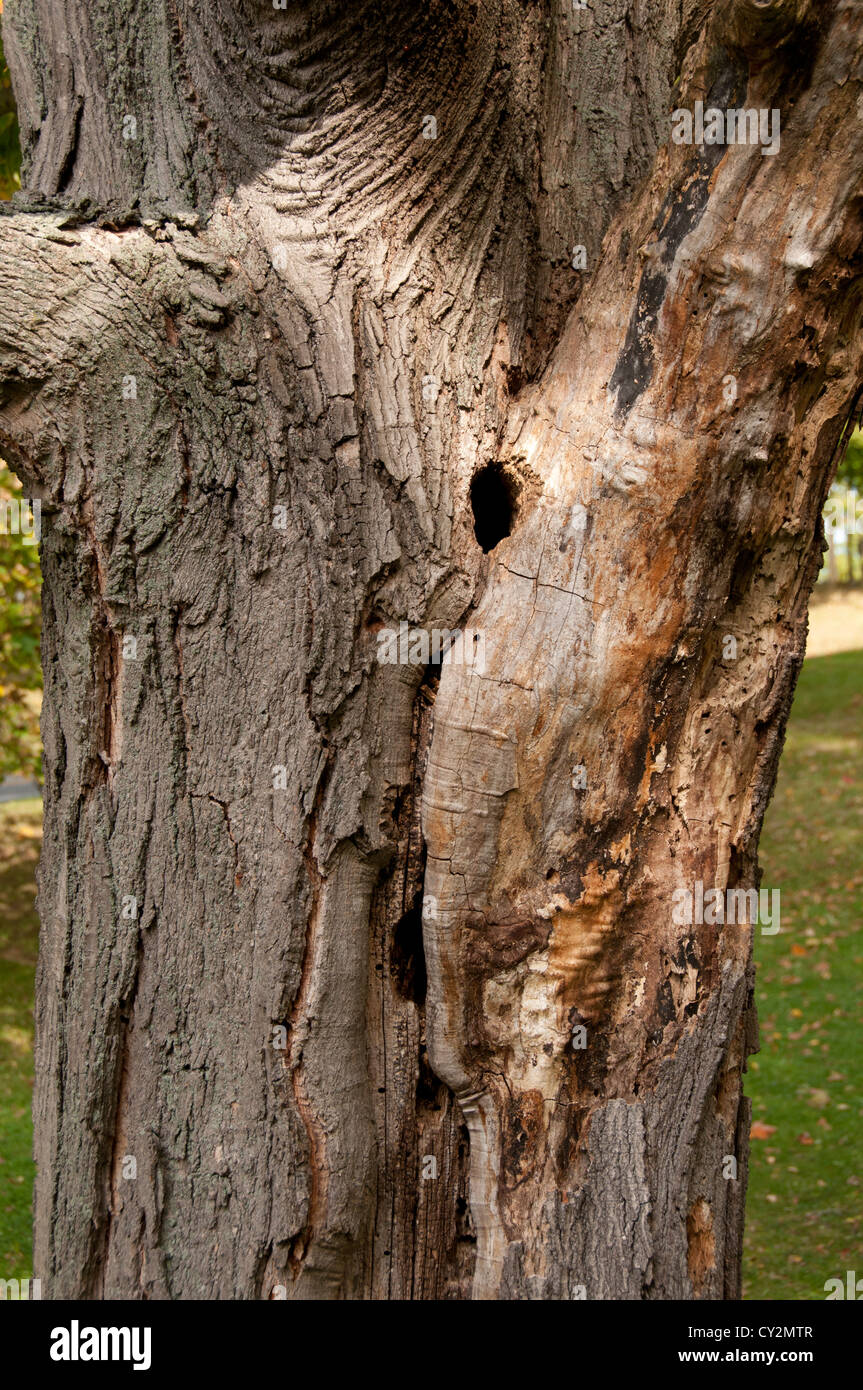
322 934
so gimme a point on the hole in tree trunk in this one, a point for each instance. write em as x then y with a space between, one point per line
407 958
493 496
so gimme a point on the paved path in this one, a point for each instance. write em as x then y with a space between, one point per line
836 623
17 788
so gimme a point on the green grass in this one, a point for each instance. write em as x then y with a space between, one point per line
20 835
805 1205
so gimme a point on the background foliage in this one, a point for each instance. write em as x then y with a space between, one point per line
851 468
20 673
844 562
10 153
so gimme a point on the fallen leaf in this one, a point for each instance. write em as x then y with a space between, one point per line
760 1131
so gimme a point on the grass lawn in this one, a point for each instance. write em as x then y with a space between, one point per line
806 1184
20 836
805 1206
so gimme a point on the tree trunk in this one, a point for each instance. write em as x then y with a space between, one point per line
361 974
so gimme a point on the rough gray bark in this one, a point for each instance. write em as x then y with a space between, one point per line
274 262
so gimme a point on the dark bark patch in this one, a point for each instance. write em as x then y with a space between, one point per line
679 215
522 1137
500 945
407 958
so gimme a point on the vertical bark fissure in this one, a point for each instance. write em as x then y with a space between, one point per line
314 1134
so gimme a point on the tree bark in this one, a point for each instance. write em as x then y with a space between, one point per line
323 935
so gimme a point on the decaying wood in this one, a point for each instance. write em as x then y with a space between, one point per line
322 934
